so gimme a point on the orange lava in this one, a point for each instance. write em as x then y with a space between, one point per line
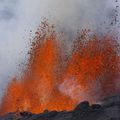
55 82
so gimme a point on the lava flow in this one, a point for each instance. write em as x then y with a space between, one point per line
55 81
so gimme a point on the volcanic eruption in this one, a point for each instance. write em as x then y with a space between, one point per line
54 80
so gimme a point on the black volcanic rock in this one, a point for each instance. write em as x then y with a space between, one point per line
83 106
96 107
109 109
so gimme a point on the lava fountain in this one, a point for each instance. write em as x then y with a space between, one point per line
55 81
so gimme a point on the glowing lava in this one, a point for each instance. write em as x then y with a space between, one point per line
53 82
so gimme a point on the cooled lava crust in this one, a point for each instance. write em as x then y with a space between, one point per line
108 109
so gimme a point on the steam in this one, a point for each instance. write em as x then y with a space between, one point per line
18 17
73 89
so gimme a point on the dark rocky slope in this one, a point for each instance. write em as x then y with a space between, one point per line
108 110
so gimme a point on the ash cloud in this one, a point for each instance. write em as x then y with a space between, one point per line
77 14
7 9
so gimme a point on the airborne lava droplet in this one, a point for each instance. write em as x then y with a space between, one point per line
53 82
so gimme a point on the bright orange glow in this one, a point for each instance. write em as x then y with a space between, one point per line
53 83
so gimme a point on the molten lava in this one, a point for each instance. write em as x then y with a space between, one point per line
55 82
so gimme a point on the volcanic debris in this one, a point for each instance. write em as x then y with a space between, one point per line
108 109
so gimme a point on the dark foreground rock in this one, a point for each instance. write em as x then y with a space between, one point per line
108 110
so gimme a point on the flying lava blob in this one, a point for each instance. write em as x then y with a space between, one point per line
55 82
